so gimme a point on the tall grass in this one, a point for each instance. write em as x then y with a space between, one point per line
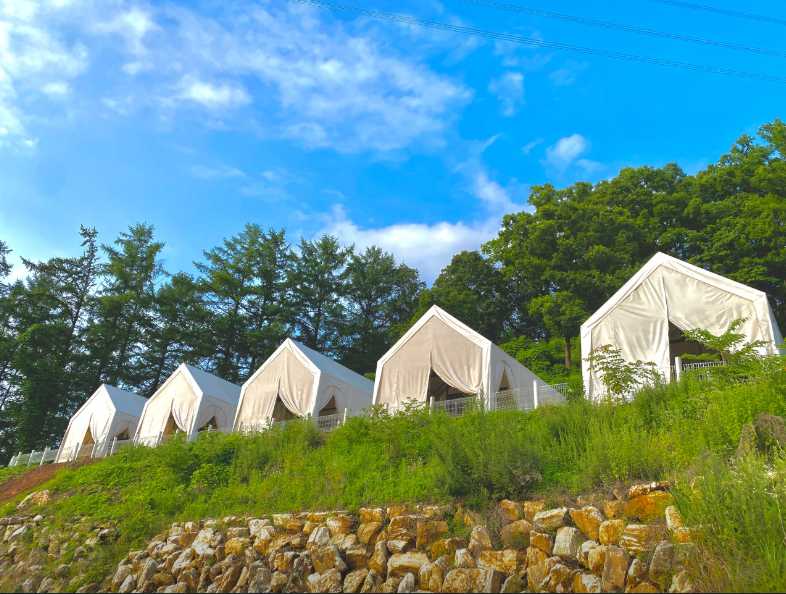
417 457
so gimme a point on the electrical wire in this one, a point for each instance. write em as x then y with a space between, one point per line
724 11
518 8
539 43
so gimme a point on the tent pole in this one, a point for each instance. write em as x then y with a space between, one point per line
43 455
678 368
344 420
535 393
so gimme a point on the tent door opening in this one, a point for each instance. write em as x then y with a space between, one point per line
86 447
680 347
439 390
329 409
211 423
504 382
281 412
171 427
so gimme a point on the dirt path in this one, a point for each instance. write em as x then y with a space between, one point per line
32 478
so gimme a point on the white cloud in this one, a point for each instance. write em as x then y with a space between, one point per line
509 89
132 25
56 88
531 145
216 172
566 153
211 95
566 75
427 247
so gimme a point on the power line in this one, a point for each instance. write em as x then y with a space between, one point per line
724 11
532 42
518 8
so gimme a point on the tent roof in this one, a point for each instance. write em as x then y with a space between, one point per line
125 402
328 365
210 385
661 259
435 311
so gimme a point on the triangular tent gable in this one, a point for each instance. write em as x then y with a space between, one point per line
110 412
669 292
440 345
188 401
303 382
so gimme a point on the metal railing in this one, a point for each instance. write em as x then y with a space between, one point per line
456 407
697 370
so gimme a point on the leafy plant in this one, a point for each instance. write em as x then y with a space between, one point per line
620 377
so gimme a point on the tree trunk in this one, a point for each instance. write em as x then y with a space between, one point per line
568 360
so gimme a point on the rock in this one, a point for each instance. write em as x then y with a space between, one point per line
610 531
542 541
353 581
31 584
537 567
428 531
559 579
587 519
530 508
163 579
516 534
368 532
122 572
402 563
637 573
128 585
330 581
460 580
238 532
47 584
446 546
596 558
431 575
681 582
357 556
202 542
586 582
258 526
146 574
372 583
407 584
507 561
34 498
464 559
510 511
371 514
648 507
673 518
176 588
748 443
551 519
390 584
770 432
567 542
660 572
259 578
644 587
640 538
514 583
646 488
237 546
614 508
319 537
229 578
327 557
379 559
282 561
340 524
278 581
615 568
479 540
584 551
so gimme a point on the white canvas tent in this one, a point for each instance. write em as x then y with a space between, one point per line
441 354
190 400
108 414
666 296
296 381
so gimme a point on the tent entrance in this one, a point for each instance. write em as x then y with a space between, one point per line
680 347
440 391
86 447
123 435
281 412
171 427
211 425
504 382
329 409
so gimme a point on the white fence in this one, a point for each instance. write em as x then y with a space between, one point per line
699 369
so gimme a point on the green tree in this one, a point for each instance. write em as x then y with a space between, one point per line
562 314
380 295
473 290
318 289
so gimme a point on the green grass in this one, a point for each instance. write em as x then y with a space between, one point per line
10 472
417 457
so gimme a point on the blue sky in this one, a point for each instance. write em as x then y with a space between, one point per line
198 118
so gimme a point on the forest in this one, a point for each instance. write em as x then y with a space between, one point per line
113 313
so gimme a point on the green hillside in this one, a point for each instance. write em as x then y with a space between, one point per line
687 432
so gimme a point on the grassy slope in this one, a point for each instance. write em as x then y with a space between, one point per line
672 431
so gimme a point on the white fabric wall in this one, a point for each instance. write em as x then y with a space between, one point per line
100 416
636 319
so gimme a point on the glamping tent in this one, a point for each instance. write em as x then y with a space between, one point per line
190 400
441 358
297 381
108 414
646 317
